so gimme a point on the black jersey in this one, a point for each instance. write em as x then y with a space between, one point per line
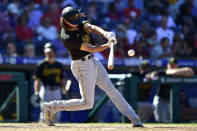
73 40
144 89
50 74
163 92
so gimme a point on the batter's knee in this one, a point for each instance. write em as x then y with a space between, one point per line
88 104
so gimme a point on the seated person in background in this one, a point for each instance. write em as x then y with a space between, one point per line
145 107
162 50
29 50
162 97
11 49
188 113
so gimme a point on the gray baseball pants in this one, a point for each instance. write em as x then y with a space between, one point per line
90 73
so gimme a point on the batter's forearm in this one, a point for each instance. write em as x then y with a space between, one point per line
100 48
99 31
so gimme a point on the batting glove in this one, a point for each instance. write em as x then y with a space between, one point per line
109 35
112 41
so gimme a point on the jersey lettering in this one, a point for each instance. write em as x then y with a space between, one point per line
47 72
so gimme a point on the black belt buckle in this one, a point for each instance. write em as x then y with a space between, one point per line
87 57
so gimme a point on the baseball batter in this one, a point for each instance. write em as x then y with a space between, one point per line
89 72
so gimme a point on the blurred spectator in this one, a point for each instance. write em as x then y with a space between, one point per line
8 35
190 51
170 22
4 22
11 49
61 50
23 32
131 33
92 14
178 48
183 99
131 12
153 12
164 31
29 50
188 113
113 13
195 40
65 3
134 14
162 97
120 4
162 50
144 30
13 7
120 50
187 13
145 106
46 30
141 47
54 14
174 8
139 4
13 12
123 46
152 40
185 31
46 2
34 15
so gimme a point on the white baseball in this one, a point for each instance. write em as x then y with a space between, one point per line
131 52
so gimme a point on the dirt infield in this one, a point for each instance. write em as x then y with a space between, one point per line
95 127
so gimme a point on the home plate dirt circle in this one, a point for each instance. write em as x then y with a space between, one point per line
94 127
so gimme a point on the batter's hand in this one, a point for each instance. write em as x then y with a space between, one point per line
109 35
112 41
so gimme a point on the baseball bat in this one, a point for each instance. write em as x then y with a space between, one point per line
111 58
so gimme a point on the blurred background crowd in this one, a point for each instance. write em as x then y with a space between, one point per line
154 28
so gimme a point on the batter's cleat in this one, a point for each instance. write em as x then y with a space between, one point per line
48 114
137 123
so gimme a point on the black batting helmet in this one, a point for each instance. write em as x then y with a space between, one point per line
72 15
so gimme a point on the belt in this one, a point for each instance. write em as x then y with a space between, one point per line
52 87
87 57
